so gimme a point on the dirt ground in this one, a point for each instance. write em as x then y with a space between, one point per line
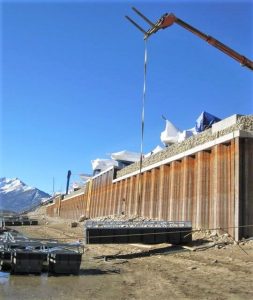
122 272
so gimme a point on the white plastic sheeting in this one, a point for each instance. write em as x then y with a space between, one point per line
126 156
186 134
75 186
85 177
102 164
154 151
171 134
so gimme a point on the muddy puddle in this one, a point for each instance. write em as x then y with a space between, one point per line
91 283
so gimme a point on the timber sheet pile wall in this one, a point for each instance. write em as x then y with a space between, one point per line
199 188
211 188
69 208
53 210
73 208
102 194
245 214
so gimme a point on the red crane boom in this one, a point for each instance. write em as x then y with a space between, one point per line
169 19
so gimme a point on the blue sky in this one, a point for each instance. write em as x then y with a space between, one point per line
72 79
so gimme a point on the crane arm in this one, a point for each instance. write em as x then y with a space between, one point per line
169 19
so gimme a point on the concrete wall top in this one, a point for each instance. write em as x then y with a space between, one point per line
223 124
75 194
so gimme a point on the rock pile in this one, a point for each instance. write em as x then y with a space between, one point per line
129 218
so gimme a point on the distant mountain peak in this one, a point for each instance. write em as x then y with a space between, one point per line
7 185
15 195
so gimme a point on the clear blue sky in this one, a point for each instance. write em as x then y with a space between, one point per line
72 79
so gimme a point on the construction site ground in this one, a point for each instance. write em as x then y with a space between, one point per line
220 270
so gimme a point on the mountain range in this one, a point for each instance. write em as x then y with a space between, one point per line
16 196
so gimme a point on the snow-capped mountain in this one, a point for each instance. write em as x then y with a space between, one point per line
16 196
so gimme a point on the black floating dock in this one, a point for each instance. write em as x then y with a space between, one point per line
144 232
21 255
18 221
24 262
63 262
5 259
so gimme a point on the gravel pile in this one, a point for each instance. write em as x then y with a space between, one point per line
116 221
243 123
130 218
135 224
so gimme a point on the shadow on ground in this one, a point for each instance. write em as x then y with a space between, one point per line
157 251
98 272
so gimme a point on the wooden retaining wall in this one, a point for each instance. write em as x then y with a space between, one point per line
212 188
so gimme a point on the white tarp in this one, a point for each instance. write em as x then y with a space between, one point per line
103 164
154 151
85 177
171 134
75 186
126 156
185 135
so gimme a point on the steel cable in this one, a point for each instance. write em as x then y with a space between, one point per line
142 126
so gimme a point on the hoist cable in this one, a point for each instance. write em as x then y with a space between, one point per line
142 126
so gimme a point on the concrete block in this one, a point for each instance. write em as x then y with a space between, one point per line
225 123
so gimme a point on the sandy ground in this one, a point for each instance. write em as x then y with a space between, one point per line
138 271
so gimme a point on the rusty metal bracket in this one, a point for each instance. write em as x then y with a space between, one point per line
154 26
